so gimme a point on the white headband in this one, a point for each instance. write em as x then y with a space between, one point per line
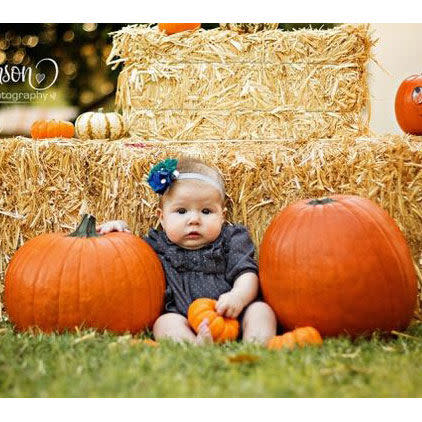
198 176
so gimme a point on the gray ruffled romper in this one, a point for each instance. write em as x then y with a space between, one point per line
206 272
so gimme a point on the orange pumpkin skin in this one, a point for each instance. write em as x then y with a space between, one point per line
58 282
303 336
307 336
408 105
222 328
172 28
285 341
340 265
52 129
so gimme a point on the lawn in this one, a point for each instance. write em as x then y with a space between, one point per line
90 364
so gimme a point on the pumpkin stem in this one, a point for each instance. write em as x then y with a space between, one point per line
321 201
86 228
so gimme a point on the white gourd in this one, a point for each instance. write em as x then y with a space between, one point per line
99 125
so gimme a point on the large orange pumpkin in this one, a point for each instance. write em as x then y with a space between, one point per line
57 282
301 337
172 28
408 105
222 328
339 264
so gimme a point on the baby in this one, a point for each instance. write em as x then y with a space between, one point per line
202 256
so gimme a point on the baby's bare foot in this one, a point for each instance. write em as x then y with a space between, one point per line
204 336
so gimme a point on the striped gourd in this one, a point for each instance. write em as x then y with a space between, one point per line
99 125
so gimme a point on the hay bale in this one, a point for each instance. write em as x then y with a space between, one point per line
45 185
223 85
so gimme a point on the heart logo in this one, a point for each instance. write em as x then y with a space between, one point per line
40 77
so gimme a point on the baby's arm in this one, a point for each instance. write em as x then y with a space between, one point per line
244 291
113 226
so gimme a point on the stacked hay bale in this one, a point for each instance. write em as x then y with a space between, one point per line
220 84
107 179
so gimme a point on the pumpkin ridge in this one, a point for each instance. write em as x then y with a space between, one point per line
373 247
291 230
146 277
340 205
159 301
404 276
20 268
90 242
79 278
68 253
108 129
216 323
153 305
141 259
127 282
202 314
308 212
386 237
52 238
76 126
159 267
36 279
89 126
280 236
12 270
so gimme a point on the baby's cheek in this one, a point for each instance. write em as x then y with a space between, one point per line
173 228
174 233
214 229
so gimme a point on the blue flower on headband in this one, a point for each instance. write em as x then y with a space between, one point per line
162 175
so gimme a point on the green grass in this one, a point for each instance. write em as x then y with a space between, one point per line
90 364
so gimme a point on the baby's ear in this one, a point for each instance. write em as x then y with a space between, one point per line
225 212
159 213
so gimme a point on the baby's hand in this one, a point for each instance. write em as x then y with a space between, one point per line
113 226
229 304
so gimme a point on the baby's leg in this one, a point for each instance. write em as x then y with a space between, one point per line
174 327
259 323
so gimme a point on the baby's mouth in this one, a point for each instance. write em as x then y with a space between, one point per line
193 234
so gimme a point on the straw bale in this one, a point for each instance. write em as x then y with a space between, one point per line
216 86
144 44
219 125
45 185
184 85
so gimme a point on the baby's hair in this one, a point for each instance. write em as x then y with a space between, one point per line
194 165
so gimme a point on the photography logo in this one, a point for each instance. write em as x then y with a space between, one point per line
36 78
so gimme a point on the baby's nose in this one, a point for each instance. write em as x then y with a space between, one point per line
194 218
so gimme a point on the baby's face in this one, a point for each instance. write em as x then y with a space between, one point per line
192 215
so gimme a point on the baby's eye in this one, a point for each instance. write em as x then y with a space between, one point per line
206 211
181 211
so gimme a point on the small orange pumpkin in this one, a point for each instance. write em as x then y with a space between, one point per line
222 328
301 337
172 28
52 129
408 105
